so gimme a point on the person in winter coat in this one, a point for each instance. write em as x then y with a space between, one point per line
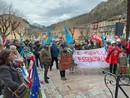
1 82
113 52
122 60
18 45
118 43
54 55
37 49
13 79
77 46
63 50
7 44
17 57
127 46
72 51
45 56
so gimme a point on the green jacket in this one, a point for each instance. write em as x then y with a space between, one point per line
63 52
45 56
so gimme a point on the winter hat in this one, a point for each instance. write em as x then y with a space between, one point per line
12 47
118 40
113 42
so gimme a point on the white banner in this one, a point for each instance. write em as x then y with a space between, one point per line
94 58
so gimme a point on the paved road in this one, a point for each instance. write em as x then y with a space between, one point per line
84 83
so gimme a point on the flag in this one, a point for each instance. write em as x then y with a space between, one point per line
24 70
104 42
2 40
30 70
25 52
69 38
35 89
48 38
96 37
22 52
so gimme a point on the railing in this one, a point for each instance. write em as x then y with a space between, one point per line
118 81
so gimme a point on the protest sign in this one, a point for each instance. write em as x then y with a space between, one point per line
65 61
94 58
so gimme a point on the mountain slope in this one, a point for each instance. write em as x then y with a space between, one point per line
38 26
102 11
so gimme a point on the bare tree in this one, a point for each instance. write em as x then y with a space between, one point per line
4 21
9 19
4 25
3 7
14 19
28 34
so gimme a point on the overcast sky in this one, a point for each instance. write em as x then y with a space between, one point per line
47 12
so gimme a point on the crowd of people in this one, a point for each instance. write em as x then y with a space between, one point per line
119 54
11 60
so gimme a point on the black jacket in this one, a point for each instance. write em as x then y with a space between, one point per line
37 49
11 78
78 47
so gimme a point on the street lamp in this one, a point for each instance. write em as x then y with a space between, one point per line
128 19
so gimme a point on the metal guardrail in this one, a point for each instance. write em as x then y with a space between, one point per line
118 81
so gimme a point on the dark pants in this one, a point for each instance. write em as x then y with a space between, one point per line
56 60
1 86
62 73
114 70
128 56
46 67
38 59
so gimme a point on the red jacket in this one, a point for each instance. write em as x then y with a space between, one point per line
127 46
112 57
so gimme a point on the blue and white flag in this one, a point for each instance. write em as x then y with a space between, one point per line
104 42
35 89
69 38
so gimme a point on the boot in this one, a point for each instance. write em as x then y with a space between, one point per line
50 68
45 77
63 78
46 81
57 67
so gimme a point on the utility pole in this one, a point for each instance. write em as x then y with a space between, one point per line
128 19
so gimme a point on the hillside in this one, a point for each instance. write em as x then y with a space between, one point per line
102 11
38 26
